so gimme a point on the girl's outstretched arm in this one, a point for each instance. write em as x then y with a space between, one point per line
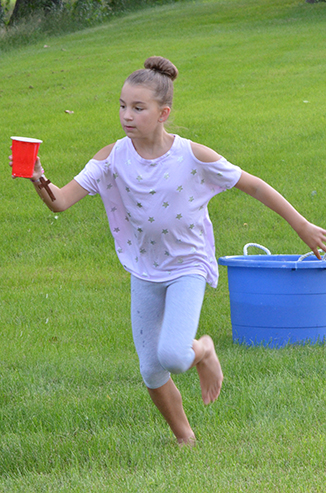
312 235
57 199
60 199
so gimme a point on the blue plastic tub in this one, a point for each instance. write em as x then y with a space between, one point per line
277 299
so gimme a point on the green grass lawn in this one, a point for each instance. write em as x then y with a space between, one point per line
74 413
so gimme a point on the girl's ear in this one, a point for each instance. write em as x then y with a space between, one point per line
164 114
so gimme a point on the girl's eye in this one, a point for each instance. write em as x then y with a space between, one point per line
138 109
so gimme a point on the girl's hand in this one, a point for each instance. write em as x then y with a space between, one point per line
314 237
10 163
38 170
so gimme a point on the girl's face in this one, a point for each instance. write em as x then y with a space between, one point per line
140 113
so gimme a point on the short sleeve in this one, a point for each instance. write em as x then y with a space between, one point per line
90 176
222 174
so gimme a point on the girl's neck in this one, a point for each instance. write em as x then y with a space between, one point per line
153 149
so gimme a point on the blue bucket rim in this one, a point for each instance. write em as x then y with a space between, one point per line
272 262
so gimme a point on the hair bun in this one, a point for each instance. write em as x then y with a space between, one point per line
162 65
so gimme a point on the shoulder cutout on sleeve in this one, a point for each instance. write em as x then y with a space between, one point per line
104 153
204 154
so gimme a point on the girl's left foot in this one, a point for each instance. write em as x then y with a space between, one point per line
189 442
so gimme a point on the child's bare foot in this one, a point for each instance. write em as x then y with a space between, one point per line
209 371
188 442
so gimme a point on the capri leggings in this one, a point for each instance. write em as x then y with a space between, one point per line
165 317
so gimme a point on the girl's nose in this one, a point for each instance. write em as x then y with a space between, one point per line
128 115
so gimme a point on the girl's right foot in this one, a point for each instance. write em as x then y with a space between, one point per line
209 371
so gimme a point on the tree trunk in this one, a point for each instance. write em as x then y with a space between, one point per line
23 8
2 14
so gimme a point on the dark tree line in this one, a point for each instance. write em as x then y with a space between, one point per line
24 8
84 11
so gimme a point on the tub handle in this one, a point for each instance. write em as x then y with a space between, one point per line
312 253
245 248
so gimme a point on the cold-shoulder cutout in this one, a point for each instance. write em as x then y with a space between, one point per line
204 154
104 153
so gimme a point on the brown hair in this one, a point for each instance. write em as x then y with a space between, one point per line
158 75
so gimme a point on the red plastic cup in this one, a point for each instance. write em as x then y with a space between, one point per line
24 154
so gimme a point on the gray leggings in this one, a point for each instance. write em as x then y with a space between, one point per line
165 317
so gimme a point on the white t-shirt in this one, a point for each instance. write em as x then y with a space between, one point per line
157 209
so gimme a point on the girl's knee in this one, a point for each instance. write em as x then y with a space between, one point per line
175 361
154 378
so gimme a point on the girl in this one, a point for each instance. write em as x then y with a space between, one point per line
155 187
